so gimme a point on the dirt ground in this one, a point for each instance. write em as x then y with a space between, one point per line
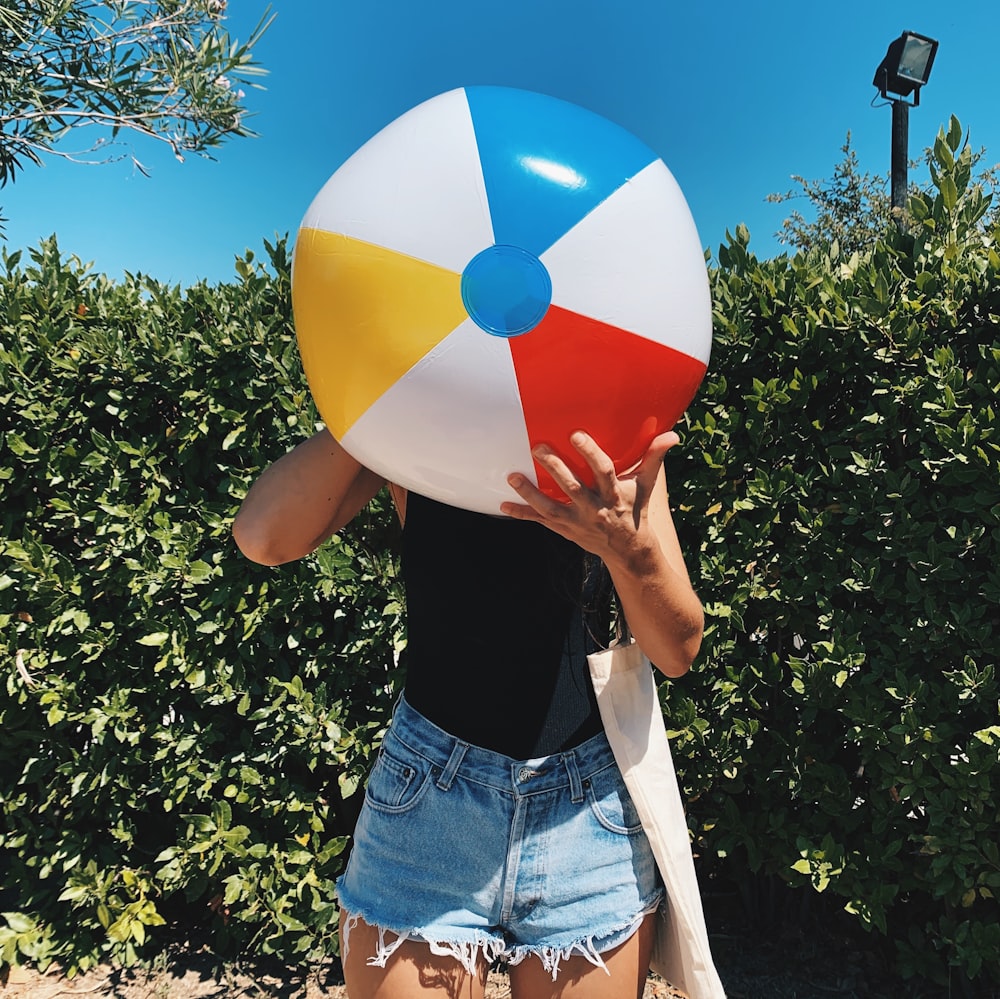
755 969
232 981
764 966
789 957
785 965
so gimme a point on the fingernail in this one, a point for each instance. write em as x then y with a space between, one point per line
541 451
578 437
515 480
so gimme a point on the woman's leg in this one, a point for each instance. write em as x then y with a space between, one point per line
411 972
579 979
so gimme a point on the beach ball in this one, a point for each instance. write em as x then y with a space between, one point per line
493 270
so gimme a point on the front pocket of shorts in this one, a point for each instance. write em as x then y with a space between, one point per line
612 804
397 781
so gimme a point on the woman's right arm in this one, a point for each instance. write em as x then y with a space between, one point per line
301 500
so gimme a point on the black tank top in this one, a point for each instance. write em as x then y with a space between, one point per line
501 615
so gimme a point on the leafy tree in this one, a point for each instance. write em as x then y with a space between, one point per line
853 207
166 69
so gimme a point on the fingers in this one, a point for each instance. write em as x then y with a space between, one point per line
562 475
521 511
605 477
649 467
606 480
537 506
600 464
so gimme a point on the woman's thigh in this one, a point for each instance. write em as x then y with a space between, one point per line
411 972
625 978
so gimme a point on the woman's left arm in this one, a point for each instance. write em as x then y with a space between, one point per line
626 521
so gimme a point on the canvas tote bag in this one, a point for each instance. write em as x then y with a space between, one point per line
626 696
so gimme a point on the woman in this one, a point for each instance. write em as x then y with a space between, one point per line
496 824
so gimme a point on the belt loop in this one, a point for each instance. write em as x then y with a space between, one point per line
454 762
575 786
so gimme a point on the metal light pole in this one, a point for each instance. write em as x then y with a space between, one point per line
900 153
904 70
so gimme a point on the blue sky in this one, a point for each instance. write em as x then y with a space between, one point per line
734 96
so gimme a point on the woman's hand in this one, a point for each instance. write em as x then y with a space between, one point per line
625 519
609 519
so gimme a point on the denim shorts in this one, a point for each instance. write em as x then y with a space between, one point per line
479 855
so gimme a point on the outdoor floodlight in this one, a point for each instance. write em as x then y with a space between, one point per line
904 70
906 66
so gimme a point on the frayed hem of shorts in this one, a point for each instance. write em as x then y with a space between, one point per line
590 947
466 952
491 949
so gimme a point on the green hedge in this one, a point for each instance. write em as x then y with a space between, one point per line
842 480
179 728
181 732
